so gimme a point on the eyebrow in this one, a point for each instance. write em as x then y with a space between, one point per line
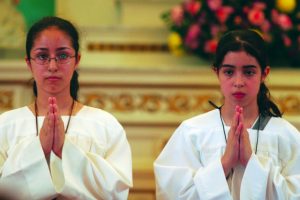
244 66
58 49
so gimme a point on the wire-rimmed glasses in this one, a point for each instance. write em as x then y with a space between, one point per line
59 59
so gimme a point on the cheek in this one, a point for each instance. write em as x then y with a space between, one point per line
225 88
225 83
254 86
36 73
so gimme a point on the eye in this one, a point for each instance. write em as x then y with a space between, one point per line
249 72
42 57
228 72
62 56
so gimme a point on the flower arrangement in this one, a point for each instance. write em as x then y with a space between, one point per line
197 25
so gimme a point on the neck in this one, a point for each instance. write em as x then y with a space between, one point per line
64 104
250 114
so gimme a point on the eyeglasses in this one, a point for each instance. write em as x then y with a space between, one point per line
45 60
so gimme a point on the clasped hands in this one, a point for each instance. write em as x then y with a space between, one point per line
52 134
238 149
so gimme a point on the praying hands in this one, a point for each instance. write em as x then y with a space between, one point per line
238 149
52 134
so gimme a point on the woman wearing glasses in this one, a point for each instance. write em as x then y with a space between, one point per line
56 147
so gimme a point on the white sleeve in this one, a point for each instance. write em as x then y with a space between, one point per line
264 180
179 173
88 175
26 168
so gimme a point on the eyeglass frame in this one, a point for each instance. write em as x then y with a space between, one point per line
56 59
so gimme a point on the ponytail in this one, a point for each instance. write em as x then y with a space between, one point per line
266 106
74 86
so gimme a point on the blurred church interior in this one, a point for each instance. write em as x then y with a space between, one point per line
126 69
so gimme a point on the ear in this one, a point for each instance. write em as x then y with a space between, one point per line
216 70
265 73
28 63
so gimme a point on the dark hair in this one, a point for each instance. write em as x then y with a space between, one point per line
64 26
252 43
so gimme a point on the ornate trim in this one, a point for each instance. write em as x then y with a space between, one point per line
6 100
127 47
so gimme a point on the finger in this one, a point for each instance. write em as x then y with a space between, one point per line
50 100
55 108
236 119
54 100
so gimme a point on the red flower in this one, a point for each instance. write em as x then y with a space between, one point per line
256 17
193 7
214 4
210 46
223 13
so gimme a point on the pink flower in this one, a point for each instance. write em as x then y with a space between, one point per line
286 40
177 15
265 26
210 46
274 15
284 21
256 17
259 5
214 30
193 7
223 13
214 4
191 39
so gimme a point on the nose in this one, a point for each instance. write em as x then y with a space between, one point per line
52 67
239 81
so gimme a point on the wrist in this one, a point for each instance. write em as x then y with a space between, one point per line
226 166
58 151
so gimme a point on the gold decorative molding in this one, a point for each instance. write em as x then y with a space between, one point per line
174 103
177 103
127 47
6 100
289 104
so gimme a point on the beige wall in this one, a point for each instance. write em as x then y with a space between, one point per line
129 13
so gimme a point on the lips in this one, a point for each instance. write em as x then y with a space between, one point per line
53 78
239 95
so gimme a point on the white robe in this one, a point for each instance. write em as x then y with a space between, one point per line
189 167
96 158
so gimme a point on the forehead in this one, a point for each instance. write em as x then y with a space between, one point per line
239 59
52 35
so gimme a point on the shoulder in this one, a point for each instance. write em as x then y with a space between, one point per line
278 123
98 115
284 129
15 115
205 120
199 126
